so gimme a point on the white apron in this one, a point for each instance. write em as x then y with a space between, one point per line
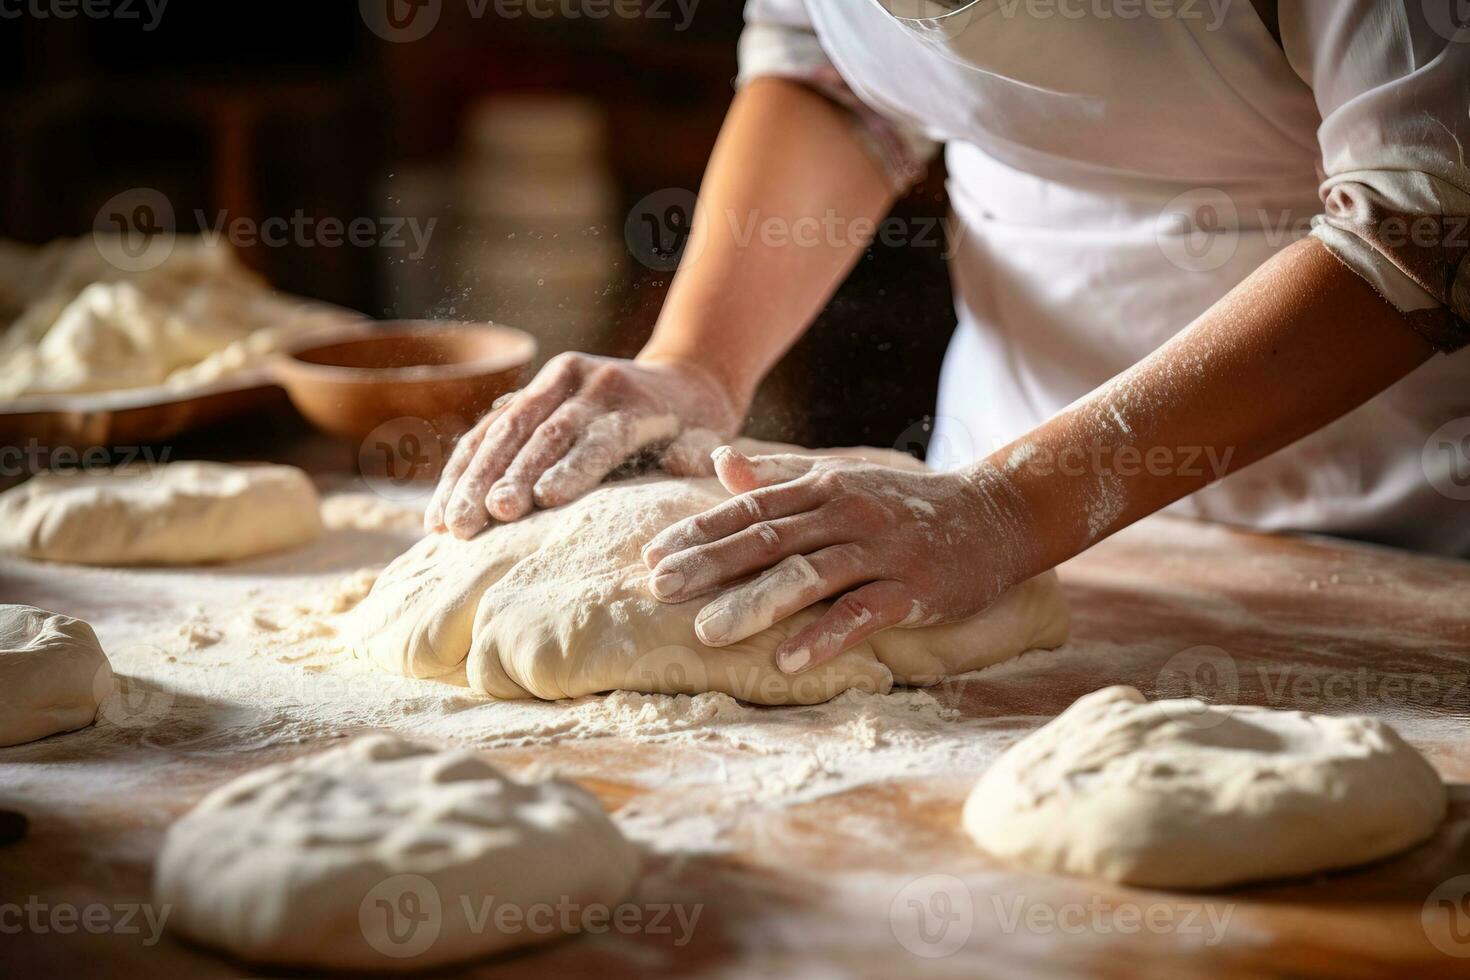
1111 178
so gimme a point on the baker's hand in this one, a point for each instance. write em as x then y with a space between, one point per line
900 548
577 421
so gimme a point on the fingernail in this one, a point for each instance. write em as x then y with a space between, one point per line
650 556
667 584
713 627
503 501
793 661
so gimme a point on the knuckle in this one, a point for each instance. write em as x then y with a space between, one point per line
751 507
853 607
768 534
604 380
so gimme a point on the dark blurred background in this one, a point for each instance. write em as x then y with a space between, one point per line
517 138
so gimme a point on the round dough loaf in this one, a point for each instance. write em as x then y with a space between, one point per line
175 514
386 855
1184 794
53 674
556 605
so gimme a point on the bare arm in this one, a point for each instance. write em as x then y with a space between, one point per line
789 202
1301 342
787 167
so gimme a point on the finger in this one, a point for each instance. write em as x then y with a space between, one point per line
852 619
735 514
704 568
792 585
511 496
602 448
742 474
689 455
459 460
466 514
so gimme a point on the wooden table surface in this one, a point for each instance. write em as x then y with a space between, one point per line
880 881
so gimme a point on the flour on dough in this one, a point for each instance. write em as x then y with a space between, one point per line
556 605
53 674
173 514
385 855
1183 794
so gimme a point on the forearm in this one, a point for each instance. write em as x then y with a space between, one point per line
1300 343
789 201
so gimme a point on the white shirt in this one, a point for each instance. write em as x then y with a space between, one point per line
1116 166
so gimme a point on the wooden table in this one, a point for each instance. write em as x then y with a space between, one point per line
880 881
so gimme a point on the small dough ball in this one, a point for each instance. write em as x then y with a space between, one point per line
53 674
386 855
1184 794
172 514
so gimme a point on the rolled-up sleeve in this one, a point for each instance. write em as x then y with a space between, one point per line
779 41
1392 83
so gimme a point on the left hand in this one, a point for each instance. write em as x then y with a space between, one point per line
901 548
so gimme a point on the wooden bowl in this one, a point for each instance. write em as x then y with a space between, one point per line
411 375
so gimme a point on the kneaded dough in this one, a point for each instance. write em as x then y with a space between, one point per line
174 514
385 855
53 674
556 605
1184 794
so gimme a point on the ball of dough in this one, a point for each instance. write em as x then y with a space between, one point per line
386 855
556 605
53 674
1184 794
174 514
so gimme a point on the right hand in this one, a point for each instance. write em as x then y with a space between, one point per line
576 422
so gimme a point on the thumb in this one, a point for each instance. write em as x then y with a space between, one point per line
741 473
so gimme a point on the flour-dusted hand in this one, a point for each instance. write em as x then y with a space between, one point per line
900 548
577 421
